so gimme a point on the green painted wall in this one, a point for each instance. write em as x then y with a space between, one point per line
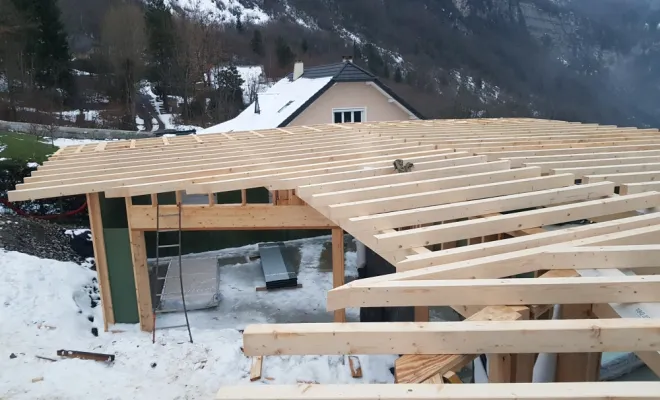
120 274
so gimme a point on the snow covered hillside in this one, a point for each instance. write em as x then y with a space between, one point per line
45 306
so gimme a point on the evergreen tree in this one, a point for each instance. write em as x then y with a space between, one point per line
398 77
375 62
239 24
161 46
304 46
386 71
285 55
256 43
357 53
228 101
46 44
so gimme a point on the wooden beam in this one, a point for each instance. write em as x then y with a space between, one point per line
98 241
140 271
344 188
230 217
491 292
466 337
529 241
510 264
510 222
338 267
473 208
499 391
445 196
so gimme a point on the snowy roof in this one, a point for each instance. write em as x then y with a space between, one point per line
276 105
284 100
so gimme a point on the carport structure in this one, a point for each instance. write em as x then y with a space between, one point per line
468 215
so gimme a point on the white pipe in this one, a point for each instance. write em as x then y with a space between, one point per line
361 252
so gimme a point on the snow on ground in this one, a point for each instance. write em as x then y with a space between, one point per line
72 115
140 123
44 308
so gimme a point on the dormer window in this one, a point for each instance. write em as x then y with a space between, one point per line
346 115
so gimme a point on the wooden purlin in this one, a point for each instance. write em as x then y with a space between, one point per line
135 164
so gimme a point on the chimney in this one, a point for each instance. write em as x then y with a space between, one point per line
347 59
298 70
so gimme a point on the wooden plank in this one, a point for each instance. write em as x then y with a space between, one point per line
548 166
452 377
166 141
197 138
628 177
230 217
466 337
140 272
491 292
356 368
503 391
580 172
98 241
528 241
338 267
510 264
101 146
631 188
432 198
133 142
472 208
329 192
527 219
402 184
255 369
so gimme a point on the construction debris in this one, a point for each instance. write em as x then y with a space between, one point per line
356 368
255 370
86 355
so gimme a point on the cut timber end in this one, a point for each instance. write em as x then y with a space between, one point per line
255 369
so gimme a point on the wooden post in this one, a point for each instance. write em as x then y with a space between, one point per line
141 274
338 266
577 367
98 241
523 363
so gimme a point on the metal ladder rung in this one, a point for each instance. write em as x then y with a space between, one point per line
172 327
165 246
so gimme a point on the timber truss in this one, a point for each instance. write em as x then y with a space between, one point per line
467 218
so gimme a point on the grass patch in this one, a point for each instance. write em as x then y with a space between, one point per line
20 147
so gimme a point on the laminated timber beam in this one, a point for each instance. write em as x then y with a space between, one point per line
473 208
427 166
444 196
517 162
510 222
493 391
465 337
491 292
229 217
506 154
329 192
532 241
524 261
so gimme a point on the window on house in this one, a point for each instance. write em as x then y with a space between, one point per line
348 115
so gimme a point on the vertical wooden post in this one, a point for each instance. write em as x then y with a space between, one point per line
500 368
243 197
523 364
141 273
338 266
577 367
98 242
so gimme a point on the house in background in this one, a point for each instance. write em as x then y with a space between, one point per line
334 93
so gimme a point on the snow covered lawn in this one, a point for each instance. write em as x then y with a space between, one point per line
45 306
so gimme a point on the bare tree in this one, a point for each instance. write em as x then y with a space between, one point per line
124 41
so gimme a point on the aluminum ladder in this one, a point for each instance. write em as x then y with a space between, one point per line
176 245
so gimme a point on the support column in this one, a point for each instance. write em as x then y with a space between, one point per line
98 242
141 274
338 267
577 367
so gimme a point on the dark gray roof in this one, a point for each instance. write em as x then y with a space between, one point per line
340 72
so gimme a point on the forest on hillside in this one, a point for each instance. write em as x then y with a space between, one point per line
68 61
